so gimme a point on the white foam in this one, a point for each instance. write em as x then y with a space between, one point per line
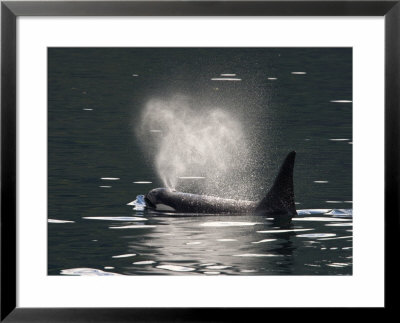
110 178
142 182
299 73
228 74
155 130
211 272
87 109
193 243
104 186
272 78
321 182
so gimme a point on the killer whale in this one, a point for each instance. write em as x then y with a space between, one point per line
278 203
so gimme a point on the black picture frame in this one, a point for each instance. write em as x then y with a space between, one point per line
10 10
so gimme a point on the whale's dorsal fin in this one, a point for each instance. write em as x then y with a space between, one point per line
280 198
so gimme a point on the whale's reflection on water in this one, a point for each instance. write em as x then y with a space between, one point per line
314 244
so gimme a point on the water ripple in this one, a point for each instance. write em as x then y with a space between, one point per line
115 218
134 226
228 224
87 272
257 255
176 268
144 262
345 237
59 221
125 255
265 240
316 235
324 219
283 231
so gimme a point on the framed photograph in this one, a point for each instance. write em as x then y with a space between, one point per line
195 158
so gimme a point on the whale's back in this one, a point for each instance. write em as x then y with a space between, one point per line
279 201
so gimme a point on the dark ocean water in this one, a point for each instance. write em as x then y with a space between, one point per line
95 99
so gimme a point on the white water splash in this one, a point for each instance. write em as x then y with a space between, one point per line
197 142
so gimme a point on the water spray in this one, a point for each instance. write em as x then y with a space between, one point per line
197 149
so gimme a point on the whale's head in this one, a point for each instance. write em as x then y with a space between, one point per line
152 197
157 199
